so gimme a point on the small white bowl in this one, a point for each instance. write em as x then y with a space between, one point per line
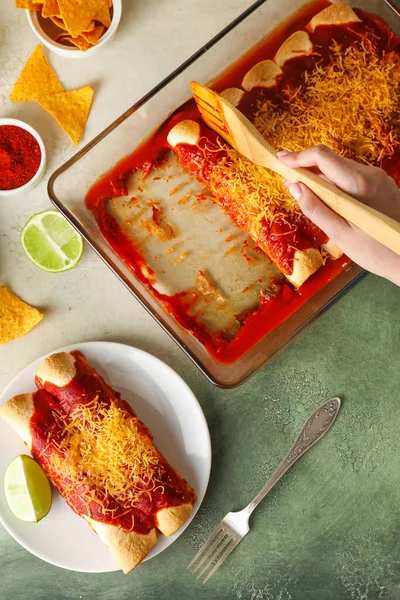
39 173
65 51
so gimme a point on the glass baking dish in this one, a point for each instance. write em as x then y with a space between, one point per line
69 185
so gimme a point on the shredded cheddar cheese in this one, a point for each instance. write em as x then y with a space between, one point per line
351 105
103 449
259 191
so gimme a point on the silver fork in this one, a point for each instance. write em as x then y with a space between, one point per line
235 525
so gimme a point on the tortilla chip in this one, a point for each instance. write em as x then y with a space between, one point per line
83 41
61 36
90 27
50 8
79 42
29 4
37 79
16 317
78 14
59 22
70 109
93 36
103 16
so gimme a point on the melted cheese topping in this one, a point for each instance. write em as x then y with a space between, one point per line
103 449
351 105
257 190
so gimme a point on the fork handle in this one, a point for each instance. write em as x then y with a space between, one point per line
313 430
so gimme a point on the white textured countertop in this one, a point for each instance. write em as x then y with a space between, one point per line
330 528
88 302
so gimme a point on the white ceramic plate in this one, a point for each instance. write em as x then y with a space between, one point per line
163 401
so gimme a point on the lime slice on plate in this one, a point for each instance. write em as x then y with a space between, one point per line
27 489
51 243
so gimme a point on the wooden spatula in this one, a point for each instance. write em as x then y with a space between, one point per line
237 130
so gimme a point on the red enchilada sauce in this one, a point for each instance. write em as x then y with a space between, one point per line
273 309
53 404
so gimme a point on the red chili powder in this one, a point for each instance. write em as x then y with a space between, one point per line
20 157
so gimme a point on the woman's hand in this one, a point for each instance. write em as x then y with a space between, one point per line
370 185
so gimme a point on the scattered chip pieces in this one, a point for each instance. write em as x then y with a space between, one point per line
16 317
39 82
37 79
76 17
70 109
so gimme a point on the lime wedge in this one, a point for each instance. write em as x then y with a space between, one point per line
27 489
51 243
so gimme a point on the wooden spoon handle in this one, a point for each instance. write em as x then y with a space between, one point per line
242 135
379 226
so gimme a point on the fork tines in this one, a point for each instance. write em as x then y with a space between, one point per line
213 552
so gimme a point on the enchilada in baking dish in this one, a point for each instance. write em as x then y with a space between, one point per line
331 75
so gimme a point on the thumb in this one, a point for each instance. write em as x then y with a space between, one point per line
319 213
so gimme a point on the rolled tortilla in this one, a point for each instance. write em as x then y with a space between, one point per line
128 548
233 95
186 130
68 368
60 368
168 520
298 44
184 139
305 263
18 412
264 74
336 14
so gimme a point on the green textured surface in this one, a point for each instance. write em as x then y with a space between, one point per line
330 528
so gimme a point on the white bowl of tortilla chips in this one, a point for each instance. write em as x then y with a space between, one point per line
71 28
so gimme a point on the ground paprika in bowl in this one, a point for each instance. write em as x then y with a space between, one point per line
22 156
